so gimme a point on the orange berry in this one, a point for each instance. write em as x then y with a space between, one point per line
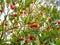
34 25
29 22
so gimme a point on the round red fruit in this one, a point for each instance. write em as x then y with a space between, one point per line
30 37
12 7
1 11
58 22
15 15
24 12
21 12
34 25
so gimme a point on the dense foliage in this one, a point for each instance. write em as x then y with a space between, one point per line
28 22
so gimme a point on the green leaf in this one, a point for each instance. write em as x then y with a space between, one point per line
26 21
11 17
54 33
33 43
15 21
13 0
27 4
17 9
21 33
19 1
13 40
1 1
46 35
43 19
57 42
37 40
8 1
0 27
2 41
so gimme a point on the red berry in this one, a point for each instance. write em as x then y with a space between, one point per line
58 22
24 12
29 22
21 12
1 11
31 26
34 26
12 7
30 37
15 15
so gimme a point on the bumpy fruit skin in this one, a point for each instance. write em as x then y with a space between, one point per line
12 7
30 37
15 15
58 22
21 12
24 12
34 25
1 11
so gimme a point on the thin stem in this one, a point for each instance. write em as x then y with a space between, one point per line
2 31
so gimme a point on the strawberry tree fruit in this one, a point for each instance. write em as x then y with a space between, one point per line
12 7
1 11
21 12
29 22
34 25
15 15
58 22
24 12
30 37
